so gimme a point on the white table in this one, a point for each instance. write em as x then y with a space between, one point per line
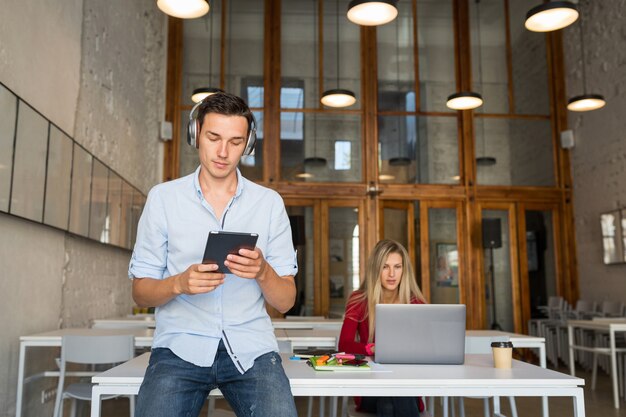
143 338
610 326
146 321
474 378
324 324
300 338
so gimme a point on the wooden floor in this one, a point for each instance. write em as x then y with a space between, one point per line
598 403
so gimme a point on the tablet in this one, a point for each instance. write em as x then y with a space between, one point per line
221 244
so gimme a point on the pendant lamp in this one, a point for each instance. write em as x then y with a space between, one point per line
201 93
315 161
481 161
551 16
338 97
184 9
401 159
372 12
584 101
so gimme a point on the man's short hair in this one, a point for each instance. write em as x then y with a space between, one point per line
226 104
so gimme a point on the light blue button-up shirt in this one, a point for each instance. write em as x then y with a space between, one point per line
171 236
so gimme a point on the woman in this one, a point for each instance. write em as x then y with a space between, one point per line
389 279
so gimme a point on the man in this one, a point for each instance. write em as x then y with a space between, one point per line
212 329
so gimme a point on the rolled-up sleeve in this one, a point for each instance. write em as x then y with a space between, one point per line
280 253
149 258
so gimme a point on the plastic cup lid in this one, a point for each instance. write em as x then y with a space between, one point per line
501 344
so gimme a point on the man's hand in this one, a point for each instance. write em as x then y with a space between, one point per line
198 279
247 264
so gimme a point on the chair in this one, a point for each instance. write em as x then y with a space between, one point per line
90 350
482 345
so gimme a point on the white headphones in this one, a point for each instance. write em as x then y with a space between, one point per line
193 130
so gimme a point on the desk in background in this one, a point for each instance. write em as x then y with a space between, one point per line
474 378
143 339
604 325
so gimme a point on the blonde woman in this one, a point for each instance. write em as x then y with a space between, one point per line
389 279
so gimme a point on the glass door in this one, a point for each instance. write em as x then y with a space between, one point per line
539 256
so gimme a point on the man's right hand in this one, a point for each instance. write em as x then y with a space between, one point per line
198 279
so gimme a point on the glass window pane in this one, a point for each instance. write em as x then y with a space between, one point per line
343 252
497 269
444 255
418 149
301 219
514 152
58 179
139 200
530 68
115 209
299 50
29 172
99 190
435 38
396 65
8 109
244 42
81 191
540 259
126 215
309 153
489 65
395 225
251 166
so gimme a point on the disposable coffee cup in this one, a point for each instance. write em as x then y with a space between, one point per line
502 354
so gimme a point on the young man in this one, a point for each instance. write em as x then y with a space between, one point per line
212 329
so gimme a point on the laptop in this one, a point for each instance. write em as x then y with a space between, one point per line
420 334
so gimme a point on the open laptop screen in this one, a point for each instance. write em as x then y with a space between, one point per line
420 334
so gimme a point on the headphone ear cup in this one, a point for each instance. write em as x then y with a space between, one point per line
192 132
250 143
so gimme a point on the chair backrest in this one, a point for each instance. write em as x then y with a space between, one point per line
97 349
481 345
584 306
284 346
612 308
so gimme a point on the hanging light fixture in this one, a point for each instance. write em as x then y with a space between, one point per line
338 97
550 16
201 93
464 100
184 9
481 161
585 101
401 159
468 100
315 161
372 12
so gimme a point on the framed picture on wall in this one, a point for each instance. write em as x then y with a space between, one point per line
446 265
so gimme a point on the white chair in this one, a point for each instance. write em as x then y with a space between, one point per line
482 345
90 350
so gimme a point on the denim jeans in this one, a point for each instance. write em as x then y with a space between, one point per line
173 387
391 406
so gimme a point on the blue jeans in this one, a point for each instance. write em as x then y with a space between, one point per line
173 387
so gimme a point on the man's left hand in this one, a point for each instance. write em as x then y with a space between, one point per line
247 264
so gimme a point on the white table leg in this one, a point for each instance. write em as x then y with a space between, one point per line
570 339
95 401
20 381
543 363
614 369
579 403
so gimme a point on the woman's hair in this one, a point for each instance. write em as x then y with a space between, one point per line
371 288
